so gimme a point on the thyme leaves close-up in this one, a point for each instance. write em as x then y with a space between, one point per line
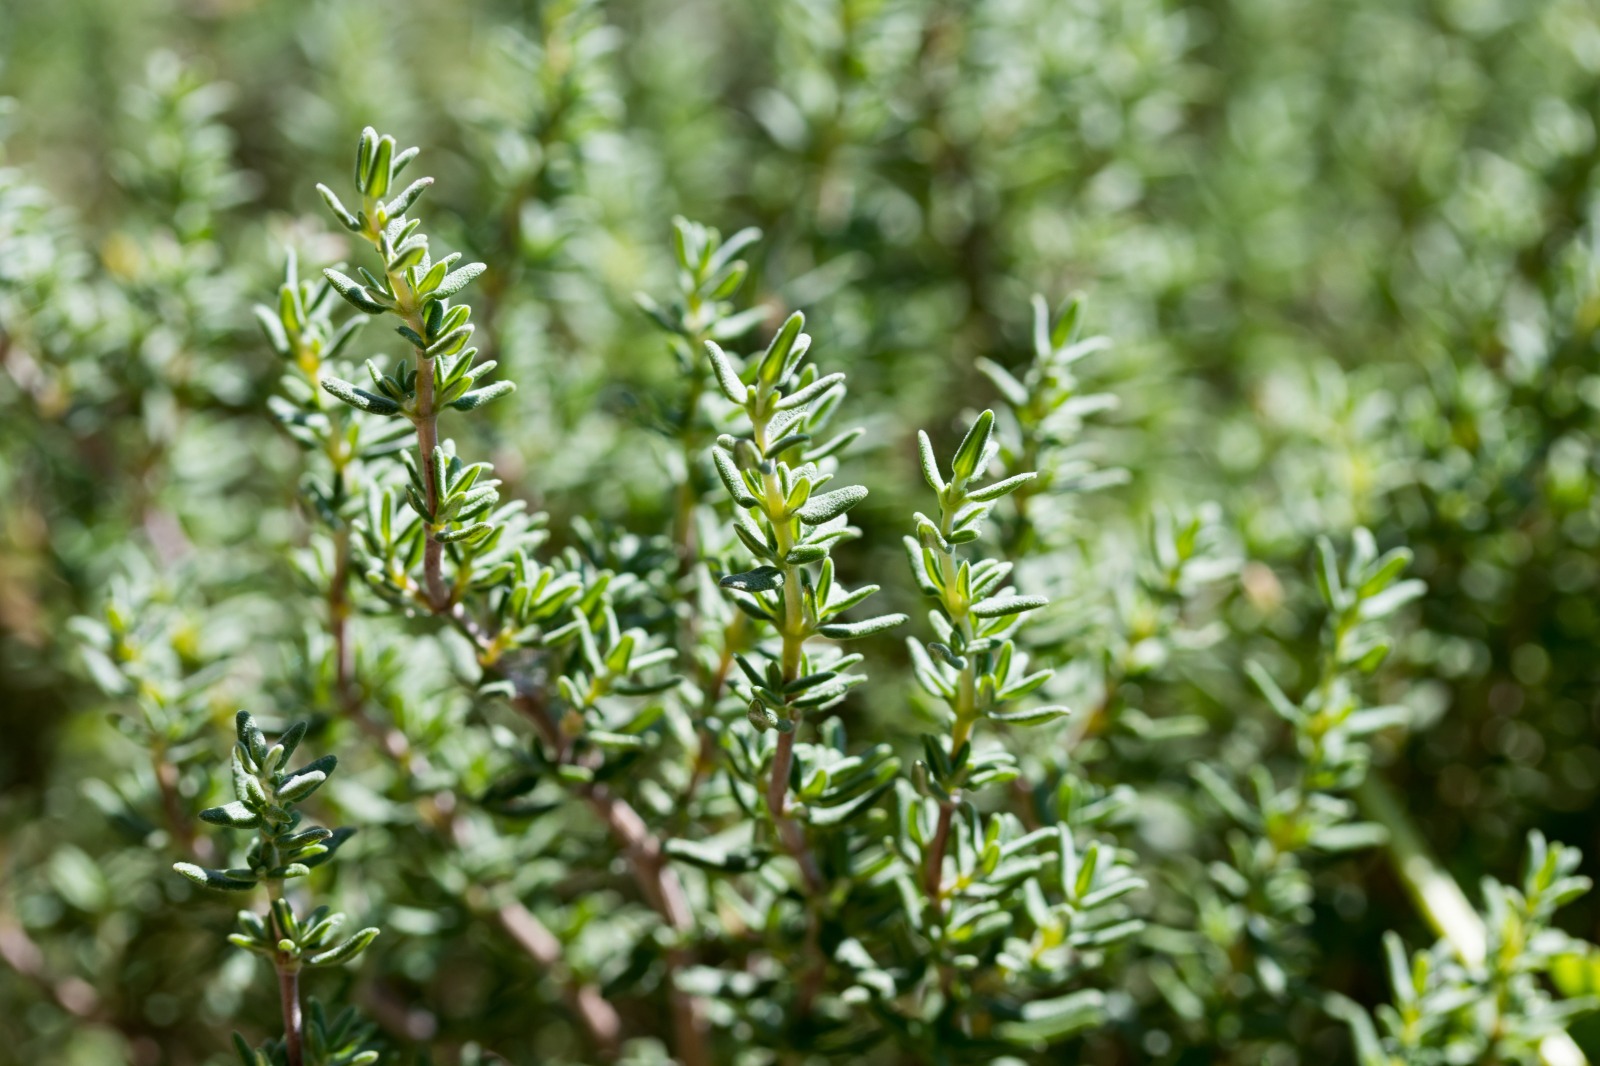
851 532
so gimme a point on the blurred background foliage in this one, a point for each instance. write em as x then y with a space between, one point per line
1349 254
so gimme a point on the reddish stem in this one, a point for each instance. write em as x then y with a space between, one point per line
658 882
289 995
933 875
598 1016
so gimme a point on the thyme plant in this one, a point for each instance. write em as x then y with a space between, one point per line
1244 643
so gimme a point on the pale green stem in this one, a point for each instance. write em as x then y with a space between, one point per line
793 632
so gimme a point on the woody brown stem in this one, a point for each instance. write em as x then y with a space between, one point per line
657 881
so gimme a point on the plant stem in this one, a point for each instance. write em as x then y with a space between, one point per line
525 929
1429 884
288 983
172 805
793 631
522 925
657 881
289 994
778 783
427 423
598 1016
965 712
427 442
933 876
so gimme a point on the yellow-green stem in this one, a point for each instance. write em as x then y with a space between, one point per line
793 632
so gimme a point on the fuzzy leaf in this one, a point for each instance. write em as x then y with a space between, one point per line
761 579
360 399
1000 488
346 951
1000 606
830 505
727 379
1035 716
856 630
456 280
471 401
234 815
736 860
224 880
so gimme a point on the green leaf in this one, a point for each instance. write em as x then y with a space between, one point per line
833 446
362 298
469 533
1224 794
300 786
1045 1021
801 554
360 399
1327 574
1280 703
830 505
250 736
973 450
723 285
234 815
801 397
846 601
707 856
1015 393
456 280
732 247
732 480
223 880
475 399
408 196
727 379
1350 836
379 173
1000 488
784 443
1035 716
332 843
738 325
824 815
451 342
930 462
272 326
346 219
346 951
783 345
1000 606
290 742
857 630
1392 599
761 579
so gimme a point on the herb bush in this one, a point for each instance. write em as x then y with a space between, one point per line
1086 550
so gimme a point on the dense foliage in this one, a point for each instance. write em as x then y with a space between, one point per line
783 637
